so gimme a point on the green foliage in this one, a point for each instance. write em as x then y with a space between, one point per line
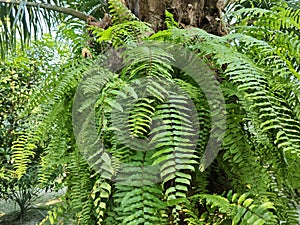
21 22
170 21
120 12
232 209
21 74
258 72
122 33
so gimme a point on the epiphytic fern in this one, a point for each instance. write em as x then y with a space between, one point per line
145 157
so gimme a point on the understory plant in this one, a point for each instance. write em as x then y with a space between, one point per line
20 76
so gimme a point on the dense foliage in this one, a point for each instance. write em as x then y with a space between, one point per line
21 75
254 178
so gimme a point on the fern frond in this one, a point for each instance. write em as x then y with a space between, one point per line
23 151
147 60
170 21
46 109
242 209
175 142
53 158
276 18
244 161
100 194
281 18
138 200
123 33
120 12
252 82
80 185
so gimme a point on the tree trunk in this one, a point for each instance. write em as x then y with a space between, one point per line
204 14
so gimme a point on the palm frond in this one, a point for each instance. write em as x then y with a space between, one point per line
22 21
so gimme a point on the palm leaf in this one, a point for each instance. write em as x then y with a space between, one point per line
22 21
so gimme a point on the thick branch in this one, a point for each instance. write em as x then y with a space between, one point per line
60 9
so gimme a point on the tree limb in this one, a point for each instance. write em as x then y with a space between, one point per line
60 9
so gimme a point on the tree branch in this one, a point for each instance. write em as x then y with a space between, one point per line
60 9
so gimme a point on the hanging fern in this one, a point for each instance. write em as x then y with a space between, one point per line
153 123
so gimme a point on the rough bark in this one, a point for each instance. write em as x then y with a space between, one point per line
204 14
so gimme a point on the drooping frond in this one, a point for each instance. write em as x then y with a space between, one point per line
137 199
49 102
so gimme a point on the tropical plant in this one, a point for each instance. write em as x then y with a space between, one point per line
253 178
21 74
24 21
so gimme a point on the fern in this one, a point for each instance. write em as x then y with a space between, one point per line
137 200
42 124
123 33
281 18
276 18
239 149
141 162
120 12
245 74
24 150
79 192
101 193
53 157
170 21
241 209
